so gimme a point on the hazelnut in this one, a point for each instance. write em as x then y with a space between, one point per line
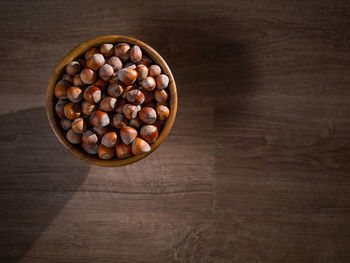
135 123
119 121
147 61
162 112
162 81
148 96
61 89
149 133
127 75
95 61
73 137
135 96
126 90
135 54
106 72
140 146
88 108
129 64
92 94
154 71
108 104
72 110
59 108
128 134
77 81
68 78
88 76
66 124
82 62
115 90
109 139
99 119
159 124
130 111
120 105
115 62
160 95
142 71
122 50
74 94
107 50
105 152
89 138
100 131
79 125
73 68
148 115
90 148
122 150
102 84
90 52
148 83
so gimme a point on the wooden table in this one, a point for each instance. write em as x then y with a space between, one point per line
256 168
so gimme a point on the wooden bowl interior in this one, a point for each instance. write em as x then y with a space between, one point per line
76 53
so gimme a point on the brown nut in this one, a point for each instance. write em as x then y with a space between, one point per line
127 75
115 62
108 104
73 68
90 148
148 115
149 133
79 125
91 51
82 62
66 124
140 146
73 137
106 72
126 90
142 71
135 123
130 111
162 81
154 71
75 94
148 83
102 84
160 95
100 131
120 105
115 90
88 76
122 50
162 112
148 96
159 124
130 64
89 138
105 152
68 78
95 61
107 50
147 61
59 108
92 94
122 150
135 54
88 108
109 139
128 134
61 89
72 111
119 121
77 81
99 119
135 96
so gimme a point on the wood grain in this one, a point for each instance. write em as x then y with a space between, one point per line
255 169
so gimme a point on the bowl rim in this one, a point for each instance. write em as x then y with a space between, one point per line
77 52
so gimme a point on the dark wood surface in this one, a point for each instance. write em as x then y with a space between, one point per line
256 168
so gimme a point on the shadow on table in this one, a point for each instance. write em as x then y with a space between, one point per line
38 177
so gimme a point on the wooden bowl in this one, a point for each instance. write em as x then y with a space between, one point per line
51 99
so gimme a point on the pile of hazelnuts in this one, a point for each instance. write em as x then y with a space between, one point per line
113 101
